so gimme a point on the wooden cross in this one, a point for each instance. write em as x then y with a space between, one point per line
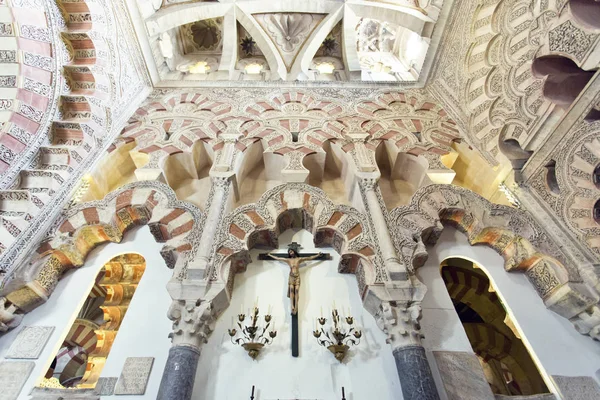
293 258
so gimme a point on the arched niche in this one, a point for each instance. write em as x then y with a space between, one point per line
82 355
566 289
506 361
329 171
61 310
188 173
475 174
322 284
586 12
115 170
555 347
401 174
258 172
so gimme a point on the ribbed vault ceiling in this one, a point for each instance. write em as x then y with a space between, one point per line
196 42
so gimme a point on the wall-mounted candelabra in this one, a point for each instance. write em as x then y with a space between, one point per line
251 336
339 336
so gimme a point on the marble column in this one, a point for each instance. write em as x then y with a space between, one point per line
179 373
402 326
415 375
193 322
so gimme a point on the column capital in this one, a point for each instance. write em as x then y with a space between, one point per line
221 180
230 136
193 322
368 181
400 323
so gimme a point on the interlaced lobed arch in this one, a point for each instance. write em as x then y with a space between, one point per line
88 225
295 205
566 289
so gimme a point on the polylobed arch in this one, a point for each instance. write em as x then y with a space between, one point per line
295 205
178 101
586 12
564 79
88 225
294 102
565 289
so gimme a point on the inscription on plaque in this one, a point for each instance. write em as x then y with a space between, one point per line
135 375
13 375
30 342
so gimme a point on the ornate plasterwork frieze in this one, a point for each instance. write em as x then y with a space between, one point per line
42 117
292 123
85 226
301 206
122 78
569 290
483 74
576 159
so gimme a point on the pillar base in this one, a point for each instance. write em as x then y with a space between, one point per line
414 373
178 377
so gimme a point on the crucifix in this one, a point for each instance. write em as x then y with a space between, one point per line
293 259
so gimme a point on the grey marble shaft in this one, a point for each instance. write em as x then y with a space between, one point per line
178 377
414 373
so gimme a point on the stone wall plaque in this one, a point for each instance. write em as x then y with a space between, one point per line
13 375
462 376
577 387
30 342
135 375
106 386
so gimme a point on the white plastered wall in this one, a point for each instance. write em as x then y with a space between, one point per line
226 372
145 328
555 345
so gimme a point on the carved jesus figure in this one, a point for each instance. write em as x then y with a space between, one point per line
294 279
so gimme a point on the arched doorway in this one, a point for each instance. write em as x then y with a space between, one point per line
83 353
506 362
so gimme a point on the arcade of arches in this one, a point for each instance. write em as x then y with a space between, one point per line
200 135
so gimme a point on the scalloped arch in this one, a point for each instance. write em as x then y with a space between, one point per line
296 205
88 225
512 233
